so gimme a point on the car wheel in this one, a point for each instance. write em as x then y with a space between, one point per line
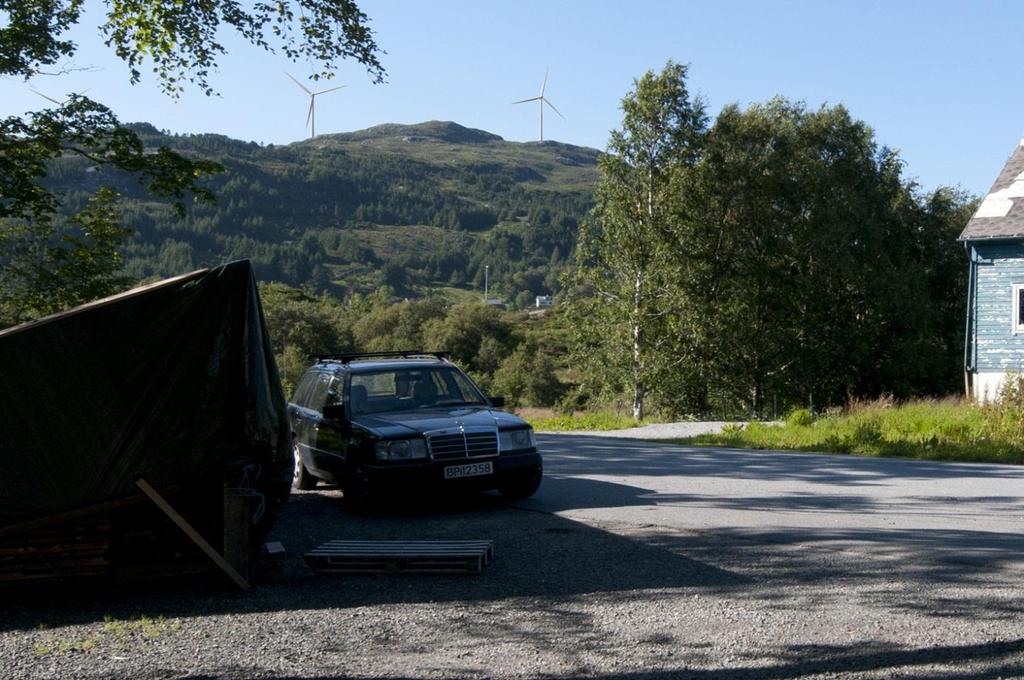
355 489
520 487
301 477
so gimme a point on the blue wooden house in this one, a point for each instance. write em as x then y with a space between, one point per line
994 239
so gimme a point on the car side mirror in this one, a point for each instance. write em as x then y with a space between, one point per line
497 402
334 412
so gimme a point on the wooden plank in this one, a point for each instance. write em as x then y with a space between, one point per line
16 579
60 549
41 537
433 557
57 563
193 534
408 545
397 553
412 543
77 513
345 565
393 549
406 548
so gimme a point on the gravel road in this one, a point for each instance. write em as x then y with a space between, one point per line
635 560
659 430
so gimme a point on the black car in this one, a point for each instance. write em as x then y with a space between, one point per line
406 421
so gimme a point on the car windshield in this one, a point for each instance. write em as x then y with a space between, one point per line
403 389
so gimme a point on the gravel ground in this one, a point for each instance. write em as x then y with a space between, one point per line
660 430
563 598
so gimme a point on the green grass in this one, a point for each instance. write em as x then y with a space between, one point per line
547 160
453 294
116 632
584 421
931 430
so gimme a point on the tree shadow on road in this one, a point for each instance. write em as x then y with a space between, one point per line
943 547
538 555
984 661
545 559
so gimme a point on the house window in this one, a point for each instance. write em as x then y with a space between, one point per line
1018 309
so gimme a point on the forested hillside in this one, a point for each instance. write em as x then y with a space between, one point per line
774 257
416 207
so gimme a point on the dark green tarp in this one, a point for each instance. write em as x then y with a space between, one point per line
171 382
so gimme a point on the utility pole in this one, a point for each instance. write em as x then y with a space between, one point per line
486 268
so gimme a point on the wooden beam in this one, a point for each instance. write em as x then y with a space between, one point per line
217 558
236 531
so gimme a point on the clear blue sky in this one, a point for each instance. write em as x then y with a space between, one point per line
942 82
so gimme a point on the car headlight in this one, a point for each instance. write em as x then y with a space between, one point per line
401 449
510 440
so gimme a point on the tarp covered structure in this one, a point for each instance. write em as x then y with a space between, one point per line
171 383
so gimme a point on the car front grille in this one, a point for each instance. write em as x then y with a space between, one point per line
467 444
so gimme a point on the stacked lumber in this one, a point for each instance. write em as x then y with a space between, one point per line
78 547
124 540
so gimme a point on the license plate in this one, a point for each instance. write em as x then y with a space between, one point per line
468 470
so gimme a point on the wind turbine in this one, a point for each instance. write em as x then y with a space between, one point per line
59 103
543 100
311 116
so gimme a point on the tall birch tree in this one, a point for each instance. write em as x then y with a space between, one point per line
623 255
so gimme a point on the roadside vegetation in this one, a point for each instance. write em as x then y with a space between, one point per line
946 429
510 354
773 256
588 421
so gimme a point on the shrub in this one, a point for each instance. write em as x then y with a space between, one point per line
800 417
527 378
585 422
1011 392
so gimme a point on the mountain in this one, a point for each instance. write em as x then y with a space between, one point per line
419 207
432 131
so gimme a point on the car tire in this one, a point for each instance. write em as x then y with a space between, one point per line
355 489
519 487
302 479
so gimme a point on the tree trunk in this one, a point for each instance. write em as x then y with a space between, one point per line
758 397
638 342
757 394
639 389
638 401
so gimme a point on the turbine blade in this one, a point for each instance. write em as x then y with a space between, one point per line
47 98
331 89
545 85
298 83
523 101
553 108
309 116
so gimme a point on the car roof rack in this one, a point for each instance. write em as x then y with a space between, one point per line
346 357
